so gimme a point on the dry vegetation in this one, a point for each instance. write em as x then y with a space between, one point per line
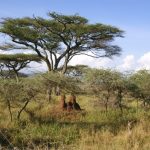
113 116
46 127
108 110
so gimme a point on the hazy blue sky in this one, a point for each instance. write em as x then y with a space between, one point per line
132 16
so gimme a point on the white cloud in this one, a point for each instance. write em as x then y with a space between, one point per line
128 63
16 51
92 62
35 67
144 61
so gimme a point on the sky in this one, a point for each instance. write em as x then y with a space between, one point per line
132 16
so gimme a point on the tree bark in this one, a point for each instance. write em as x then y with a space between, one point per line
9 108
120 100
20 111
49 93
65 64
48 65
17 77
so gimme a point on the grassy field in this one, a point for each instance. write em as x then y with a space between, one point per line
45 126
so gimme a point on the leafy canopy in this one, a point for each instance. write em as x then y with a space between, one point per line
60 37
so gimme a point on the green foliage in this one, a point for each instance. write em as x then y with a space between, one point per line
103 80
13 63
141 85
19 57
17 95
66 84
62 37
43 125
107 84
77 71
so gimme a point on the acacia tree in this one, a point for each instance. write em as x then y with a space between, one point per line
17 95
100 82
16 62
106 84
58 39
48 82
76 71
66 83
120 86
141 82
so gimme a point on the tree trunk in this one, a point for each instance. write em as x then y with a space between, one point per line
144 103
120 106
57 90
65 65
49 93
9 108
56 64
120 100
137 103
48 65
17 78
64 69
106 106
20 111
16 75
107 99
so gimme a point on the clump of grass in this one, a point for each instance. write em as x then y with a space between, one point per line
105 140
35 134
44 126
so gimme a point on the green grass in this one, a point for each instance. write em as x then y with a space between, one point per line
92 129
